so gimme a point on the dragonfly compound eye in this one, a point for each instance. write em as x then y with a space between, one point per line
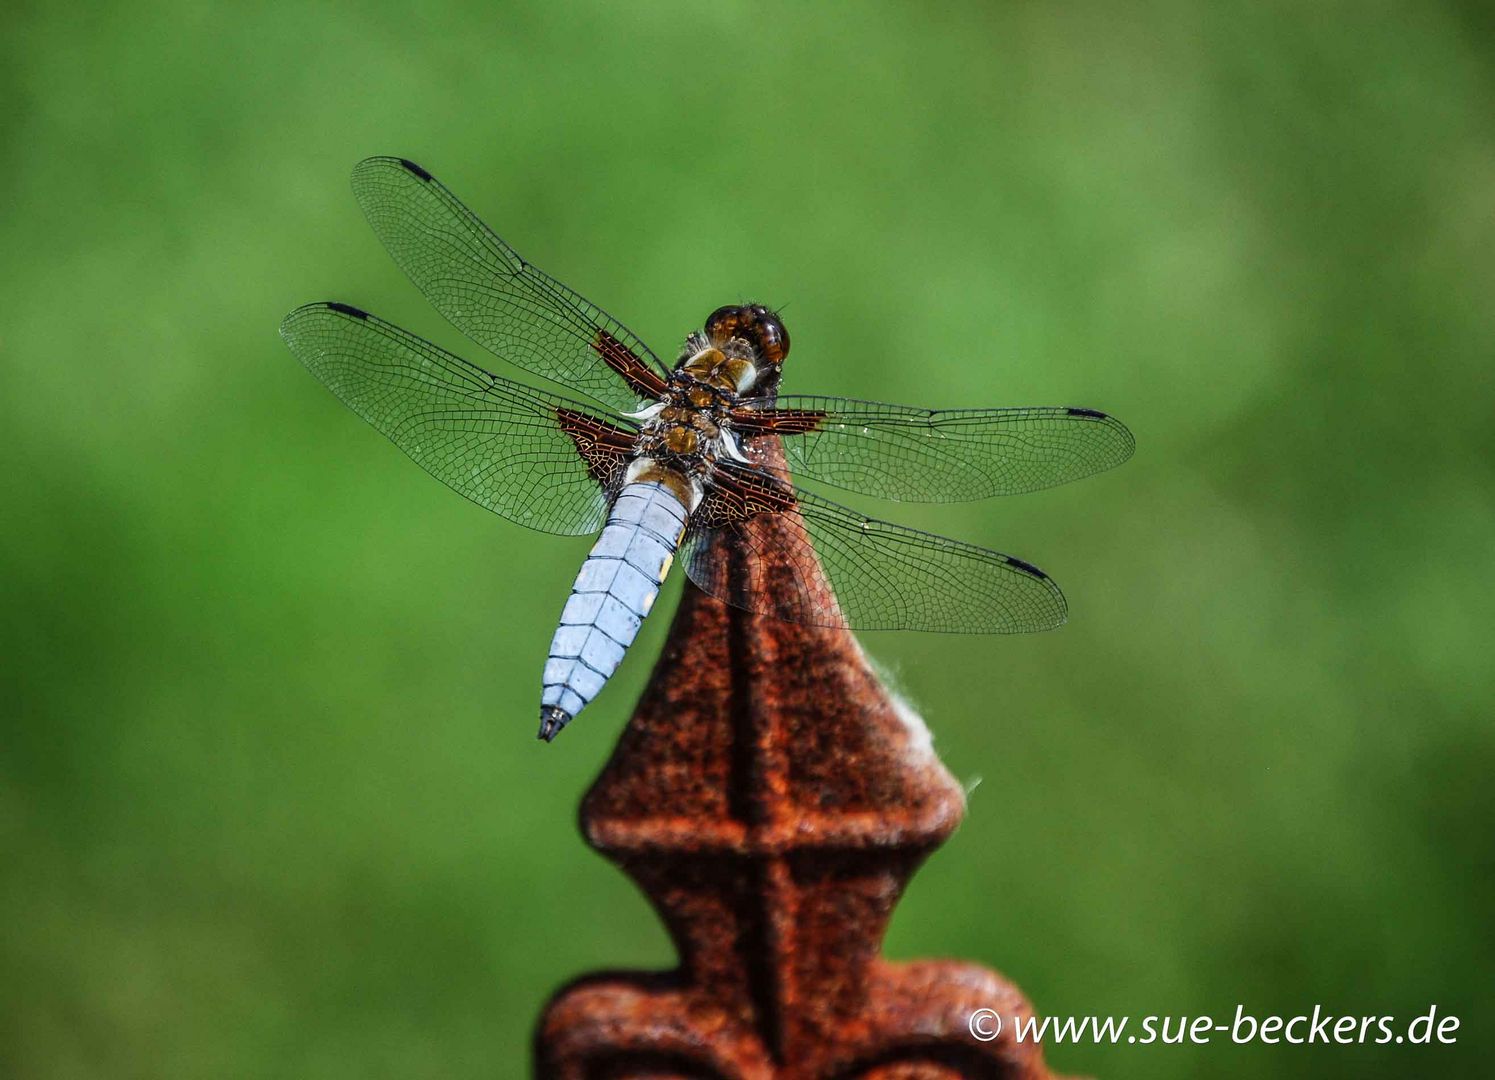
771 338
722 324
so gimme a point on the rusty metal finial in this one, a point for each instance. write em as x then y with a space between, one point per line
772 799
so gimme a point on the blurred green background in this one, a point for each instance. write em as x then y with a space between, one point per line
270 799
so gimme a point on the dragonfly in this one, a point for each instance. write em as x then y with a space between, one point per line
696 460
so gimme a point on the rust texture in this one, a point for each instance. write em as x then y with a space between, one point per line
772 800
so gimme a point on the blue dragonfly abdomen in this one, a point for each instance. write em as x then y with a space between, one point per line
614 591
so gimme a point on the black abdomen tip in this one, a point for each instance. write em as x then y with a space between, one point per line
411 166
347 309
552 720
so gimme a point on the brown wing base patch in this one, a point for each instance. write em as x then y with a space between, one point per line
776 421
642 379
606 449
749 546
738 495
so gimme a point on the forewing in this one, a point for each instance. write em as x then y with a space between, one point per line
940 455
496 298
754 543
536 458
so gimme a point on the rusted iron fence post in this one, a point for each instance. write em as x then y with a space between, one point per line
772 800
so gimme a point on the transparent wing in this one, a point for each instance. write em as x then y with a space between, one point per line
491 294
754 543
944 455
536 458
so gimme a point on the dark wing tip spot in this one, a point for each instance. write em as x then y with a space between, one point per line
1094 414
411 166
1027 568
347 309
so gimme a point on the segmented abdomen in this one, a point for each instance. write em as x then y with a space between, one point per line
613 592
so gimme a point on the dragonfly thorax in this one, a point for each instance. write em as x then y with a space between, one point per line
688 428
729 370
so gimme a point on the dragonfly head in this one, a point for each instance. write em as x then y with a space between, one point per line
760 327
